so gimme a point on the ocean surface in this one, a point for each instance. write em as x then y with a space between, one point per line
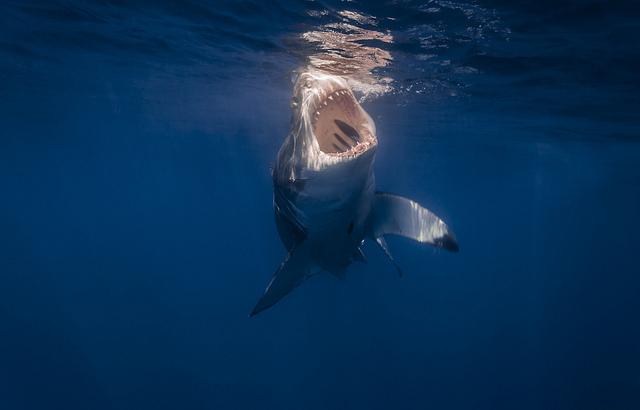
137 230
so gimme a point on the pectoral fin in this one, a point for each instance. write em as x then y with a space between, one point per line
296 267
395 215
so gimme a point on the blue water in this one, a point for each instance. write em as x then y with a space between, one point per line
137 231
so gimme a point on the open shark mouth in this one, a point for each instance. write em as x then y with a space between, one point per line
341 127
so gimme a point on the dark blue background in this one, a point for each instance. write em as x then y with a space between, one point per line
136 229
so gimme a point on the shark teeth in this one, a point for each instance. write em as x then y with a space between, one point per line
324 97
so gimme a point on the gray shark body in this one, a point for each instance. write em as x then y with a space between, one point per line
325 202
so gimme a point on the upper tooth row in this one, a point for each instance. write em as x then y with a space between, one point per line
339 92
330 97
335 93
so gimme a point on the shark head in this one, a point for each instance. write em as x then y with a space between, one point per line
329 125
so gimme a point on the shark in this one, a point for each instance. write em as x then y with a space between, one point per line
324 193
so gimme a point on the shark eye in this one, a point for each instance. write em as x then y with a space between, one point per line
294 102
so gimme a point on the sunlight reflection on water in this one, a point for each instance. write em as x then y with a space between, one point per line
341 51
